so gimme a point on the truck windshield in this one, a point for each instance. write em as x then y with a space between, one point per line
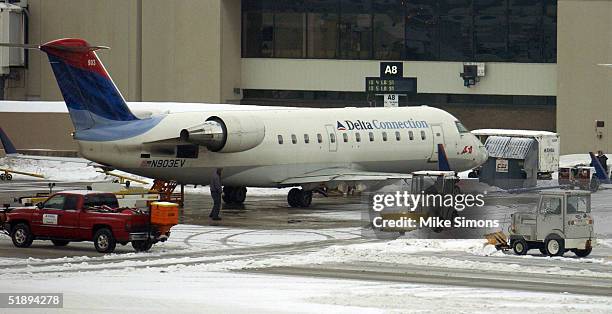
578 204
97 200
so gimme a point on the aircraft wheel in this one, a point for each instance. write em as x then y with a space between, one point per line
9 177
292 197
305 198
234 195
2 176
240 194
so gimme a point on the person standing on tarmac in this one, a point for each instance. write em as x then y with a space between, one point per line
603 160
215 191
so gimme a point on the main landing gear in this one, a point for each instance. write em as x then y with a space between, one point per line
234 195
299 198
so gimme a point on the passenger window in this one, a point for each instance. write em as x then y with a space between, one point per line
56 202
345 137
306 139
423 135
551 206
293 139
357 137
371 137
411 135
398 137
384 134
280 139
319 138
332 137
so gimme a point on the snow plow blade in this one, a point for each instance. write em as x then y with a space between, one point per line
498 239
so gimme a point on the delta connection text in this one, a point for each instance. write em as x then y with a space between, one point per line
376 124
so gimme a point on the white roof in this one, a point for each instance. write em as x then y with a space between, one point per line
507 132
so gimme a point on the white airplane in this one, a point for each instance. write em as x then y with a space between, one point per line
272 147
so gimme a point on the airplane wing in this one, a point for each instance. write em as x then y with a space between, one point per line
342 174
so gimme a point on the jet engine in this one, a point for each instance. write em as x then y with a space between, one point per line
228 133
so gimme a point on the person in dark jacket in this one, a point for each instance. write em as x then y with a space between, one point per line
603 160
215 191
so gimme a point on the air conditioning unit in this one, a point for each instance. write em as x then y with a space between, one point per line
12 30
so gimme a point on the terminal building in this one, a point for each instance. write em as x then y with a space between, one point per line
537 59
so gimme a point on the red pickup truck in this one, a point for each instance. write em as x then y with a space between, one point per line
81 216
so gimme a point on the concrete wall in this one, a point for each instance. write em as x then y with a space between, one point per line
433 77
160 50
584 40
38 130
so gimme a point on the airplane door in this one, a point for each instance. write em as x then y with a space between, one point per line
438 138
332 138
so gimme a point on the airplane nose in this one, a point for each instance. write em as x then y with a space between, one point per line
482 154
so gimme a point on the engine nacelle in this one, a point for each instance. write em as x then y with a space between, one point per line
228 133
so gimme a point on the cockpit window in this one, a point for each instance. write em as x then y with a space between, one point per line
461 128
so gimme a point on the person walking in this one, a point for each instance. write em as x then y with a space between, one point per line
215 191
603 160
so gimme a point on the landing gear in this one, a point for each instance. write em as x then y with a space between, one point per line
234 195
6 176
299 198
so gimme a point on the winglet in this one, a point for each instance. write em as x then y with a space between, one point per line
599 169
9 148
443 164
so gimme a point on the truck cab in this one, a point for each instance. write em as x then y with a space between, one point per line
562 222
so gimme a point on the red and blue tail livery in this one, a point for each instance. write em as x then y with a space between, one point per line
92 98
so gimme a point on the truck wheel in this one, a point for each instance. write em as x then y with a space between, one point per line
582 253
142 246
60 242
520 246
554 245
22 236
104 241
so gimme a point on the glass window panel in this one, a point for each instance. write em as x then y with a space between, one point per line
550 31
490 7
322 24
455 7
389 30
490 35
456 38
421 37
355 29
525 41
258 34
422 7
525 7
289 35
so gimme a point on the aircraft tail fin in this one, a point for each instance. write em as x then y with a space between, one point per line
600 172
91 95
9 148
443 164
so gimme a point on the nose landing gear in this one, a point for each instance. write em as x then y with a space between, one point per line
234 195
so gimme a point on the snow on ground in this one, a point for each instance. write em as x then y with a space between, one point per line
189 290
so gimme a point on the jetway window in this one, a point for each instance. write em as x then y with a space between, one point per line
293 139
423 136
306 139
357 137
398 136
411 135
319 138
371 137
332 137
280 139
345 137
384 135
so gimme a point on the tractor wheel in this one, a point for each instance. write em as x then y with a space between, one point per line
520 246
554 245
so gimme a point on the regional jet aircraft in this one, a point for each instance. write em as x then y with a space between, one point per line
273 147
